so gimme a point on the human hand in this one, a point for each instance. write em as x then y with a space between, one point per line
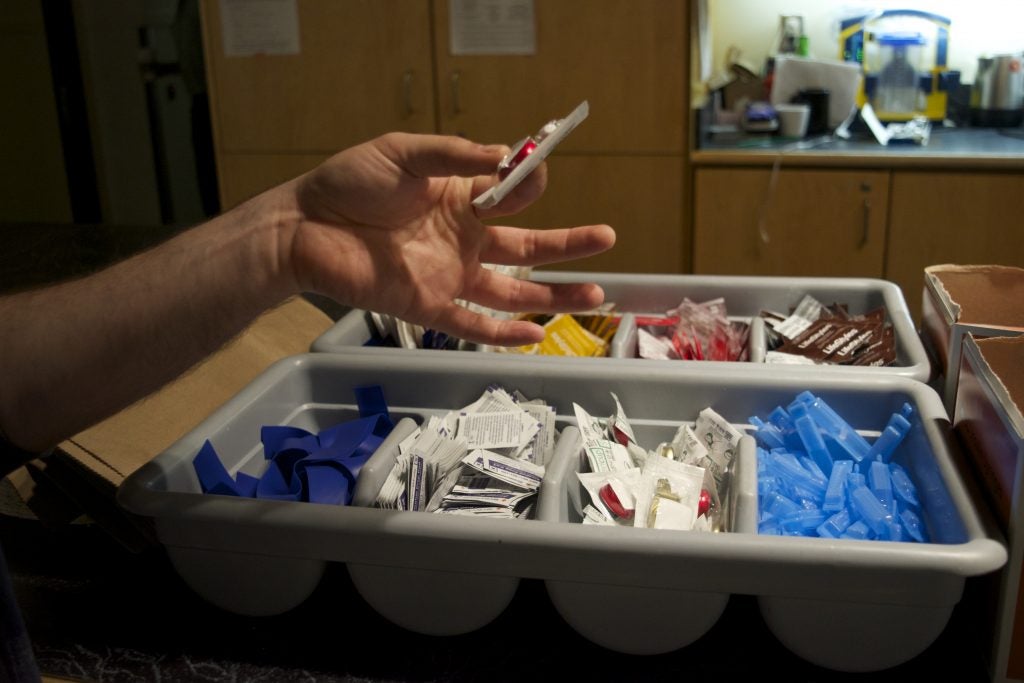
388 226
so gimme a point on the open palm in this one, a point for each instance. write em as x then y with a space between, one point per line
389 226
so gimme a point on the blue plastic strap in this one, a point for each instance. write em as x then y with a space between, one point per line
213 478
327 470
370 400
318 468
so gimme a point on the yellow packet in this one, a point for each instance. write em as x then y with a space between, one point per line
566 337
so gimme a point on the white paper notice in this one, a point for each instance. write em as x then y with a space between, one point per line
492 27
259 27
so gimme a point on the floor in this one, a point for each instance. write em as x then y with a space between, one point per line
97 612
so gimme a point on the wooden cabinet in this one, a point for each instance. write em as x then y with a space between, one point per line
814 222
244 175
628 58
946 217
639 195
367 67
364 68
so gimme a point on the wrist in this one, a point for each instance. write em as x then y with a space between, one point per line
267 224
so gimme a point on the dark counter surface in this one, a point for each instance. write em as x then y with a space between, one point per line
981 148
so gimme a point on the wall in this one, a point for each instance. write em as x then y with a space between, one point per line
977 27
108 46
31 158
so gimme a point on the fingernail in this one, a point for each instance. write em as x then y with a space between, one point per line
495 149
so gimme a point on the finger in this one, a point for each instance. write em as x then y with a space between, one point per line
427 156
522 195
531 247
507 293
481 329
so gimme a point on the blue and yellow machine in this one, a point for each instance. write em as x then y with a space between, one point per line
904 57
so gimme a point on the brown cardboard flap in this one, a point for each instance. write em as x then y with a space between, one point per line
1005 357
982 294
118 446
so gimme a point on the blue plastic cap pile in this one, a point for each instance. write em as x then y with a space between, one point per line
817 476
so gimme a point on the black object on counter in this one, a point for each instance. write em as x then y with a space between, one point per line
818 99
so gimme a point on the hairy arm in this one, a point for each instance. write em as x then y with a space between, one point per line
74 353
386 226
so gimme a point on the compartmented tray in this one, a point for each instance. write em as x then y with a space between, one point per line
849 605
745 297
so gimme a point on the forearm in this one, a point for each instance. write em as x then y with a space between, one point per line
74 353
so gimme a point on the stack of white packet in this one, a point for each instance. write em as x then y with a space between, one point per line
661 489
486 459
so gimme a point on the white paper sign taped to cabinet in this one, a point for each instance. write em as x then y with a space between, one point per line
492 27
259 27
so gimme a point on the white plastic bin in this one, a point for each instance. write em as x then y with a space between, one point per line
851 605
745 297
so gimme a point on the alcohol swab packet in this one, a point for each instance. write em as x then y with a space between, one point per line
721 440
687 447
519 473
511 429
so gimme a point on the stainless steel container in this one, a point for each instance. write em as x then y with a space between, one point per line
997 97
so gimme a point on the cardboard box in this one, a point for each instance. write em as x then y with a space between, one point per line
988 419
983 300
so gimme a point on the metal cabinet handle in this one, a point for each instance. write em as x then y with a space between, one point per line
407 91
866 228
456 100
865 232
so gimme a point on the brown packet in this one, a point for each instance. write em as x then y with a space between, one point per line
879 353
805 344
833 341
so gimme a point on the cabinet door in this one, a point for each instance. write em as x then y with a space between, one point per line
626 57
245 175
966 218
641 197
364 68
797 222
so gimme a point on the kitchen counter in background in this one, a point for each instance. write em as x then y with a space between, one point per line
951 148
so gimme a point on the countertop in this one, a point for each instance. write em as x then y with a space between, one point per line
953 148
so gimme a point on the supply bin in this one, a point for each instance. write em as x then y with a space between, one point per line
849 605
745 297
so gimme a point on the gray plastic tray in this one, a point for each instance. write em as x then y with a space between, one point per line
745 297
859 605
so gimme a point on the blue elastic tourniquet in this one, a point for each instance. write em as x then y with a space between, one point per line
315 468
